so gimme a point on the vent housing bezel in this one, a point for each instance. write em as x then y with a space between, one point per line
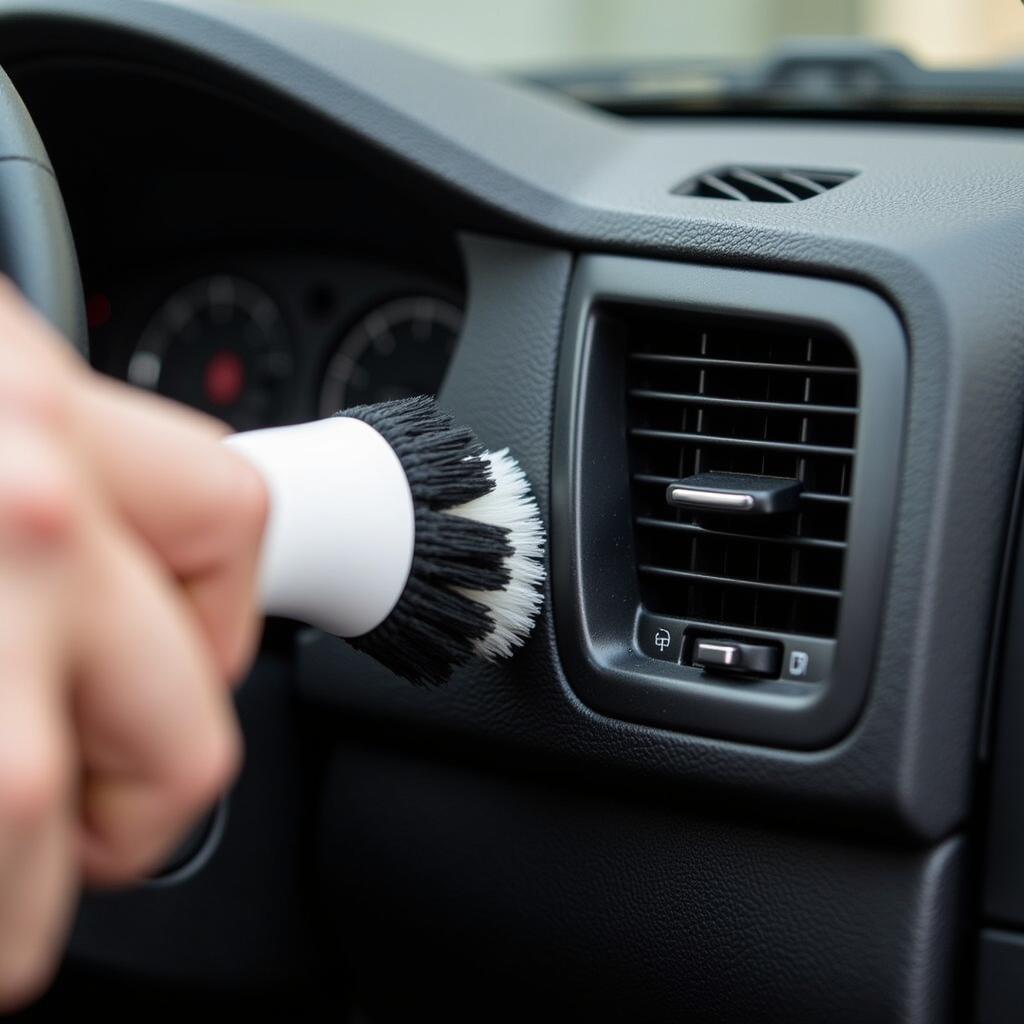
596 593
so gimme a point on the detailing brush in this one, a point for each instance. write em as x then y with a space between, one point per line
391 526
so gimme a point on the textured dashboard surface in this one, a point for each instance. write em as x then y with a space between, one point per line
648 915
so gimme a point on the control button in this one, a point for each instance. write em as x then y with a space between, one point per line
719 655
736 656
660 638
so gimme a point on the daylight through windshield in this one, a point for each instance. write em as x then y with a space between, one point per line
538 33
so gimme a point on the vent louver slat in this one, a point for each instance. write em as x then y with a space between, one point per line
718 395
761 184
694 528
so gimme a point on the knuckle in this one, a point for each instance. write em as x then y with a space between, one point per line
37 495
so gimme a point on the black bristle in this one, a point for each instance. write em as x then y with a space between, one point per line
440 459
461 552
434 627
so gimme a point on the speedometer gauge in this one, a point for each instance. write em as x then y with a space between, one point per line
399 349
220 345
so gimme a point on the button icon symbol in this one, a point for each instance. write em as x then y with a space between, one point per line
798 662
662 639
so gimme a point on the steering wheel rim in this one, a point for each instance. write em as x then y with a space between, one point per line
37 250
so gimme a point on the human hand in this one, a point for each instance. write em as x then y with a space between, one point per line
129 539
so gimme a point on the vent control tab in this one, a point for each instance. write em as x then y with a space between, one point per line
735 493
735 657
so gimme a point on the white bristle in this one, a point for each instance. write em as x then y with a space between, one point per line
512 506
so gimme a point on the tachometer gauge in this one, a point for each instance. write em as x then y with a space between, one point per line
220 345
399 349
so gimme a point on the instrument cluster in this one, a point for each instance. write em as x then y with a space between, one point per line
258 342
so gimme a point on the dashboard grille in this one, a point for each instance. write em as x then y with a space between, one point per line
762 185
707 394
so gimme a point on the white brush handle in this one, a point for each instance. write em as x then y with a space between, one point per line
339 540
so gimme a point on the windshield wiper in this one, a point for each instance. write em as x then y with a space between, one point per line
801 76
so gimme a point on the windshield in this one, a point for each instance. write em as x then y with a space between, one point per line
531 34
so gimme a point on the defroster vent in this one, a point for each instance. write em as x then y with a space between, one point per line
721 395
762 184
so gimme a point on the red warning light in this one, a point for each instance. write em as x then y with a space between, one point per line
224 379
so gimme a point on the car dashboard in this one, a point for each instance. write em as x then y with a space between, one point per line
277 219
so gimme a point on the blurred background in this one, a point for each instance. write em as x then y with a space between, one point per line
540 33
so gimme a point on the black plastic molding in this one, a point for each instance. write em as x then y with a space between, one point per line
595 588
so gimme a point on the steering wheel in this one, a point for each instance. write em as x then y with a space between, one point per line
37 250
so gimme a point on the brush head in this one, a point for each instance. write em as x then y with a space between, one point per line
474 588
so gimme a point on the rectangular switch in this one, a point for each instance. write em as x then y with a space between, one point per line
734 656
718 654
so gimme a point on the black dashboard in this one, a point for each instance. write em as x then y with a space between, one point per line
275 218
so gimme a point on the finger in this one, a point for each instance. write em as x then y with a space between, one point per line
197 503
157 733
37 898
37 876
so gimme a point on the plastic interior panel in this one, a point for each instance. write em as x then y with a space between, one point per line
485 895
1002 947
596 596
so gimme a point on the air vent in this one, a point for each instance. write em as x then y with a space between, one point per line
762 184
725 467
718 395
